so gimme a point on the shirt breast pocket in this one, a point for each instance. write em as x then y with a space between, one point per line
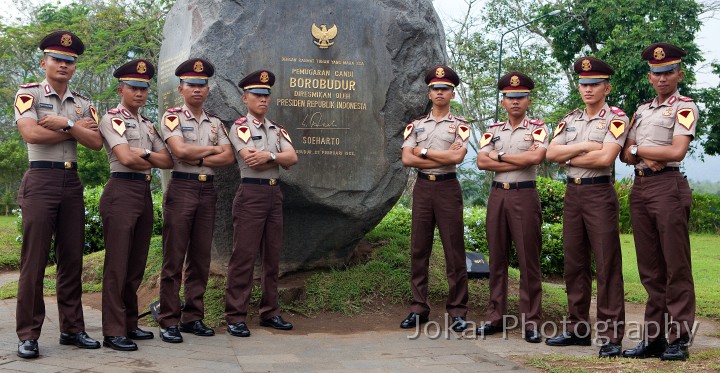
523 145
132 135
259 143
421 136
571 137
499 144
189 136
663 130
597 135
447 137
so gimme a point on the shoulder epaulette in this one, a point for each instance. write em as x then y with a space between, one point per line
211 114
145 118
647 101
462 120
572 112
241 120
497 124
617 111
174 110
113 111
537 122
76 94
420 117
276 123
685 98
29 85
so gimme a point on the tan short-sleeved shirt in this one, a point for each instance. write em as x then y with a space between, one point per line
37 100
208 131
119 126
249 132
655 124
610 125
425 132
503 138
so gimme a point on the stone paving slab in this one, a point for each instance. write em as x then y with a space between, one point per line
265 351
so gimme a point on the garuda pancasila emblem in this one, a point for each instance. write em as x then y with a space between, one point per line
324 35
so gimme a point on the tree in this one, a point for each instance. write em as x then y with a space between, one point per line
710 118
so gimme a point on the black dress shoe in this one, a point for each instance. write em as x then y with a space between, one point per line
196 327
647 349
171 334
568 339
276 322
79 339
488 329
459 324
238 329
28 349
413 320
532 336
140 334
120 343
610 350
676 351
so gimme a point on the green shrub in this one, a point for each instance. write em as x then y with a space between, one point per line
551 255
94 240
622 188
705 215
552 194
398 220
474 229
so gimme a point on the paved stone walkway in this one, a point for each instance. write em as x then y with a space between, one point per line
265 351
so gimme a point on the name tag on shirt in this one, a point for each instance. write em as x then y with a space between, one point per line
187 129
570 129
256 137
44 105
129 125
272 127
420 129
496 138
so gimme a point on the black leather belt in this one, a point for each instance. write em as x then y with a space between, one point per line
189 176
518 185
428 177
649 172
131 176
252 180
55 165
589 180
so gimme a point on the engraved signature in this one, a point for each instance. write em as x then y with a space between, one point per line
315 120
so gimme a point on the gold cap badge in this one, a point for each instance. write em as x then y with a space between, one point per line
141 67
198 67
586 65
439 72
264 77
659 53
514 81
66 40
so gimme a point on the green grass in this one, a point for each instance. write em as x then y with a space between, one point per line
706 266
9 246
702 361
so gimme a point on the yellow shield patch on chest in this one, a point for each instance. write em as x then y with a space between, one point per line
463 132
118 125
286 135
171 122
408 131
617 128
539 134
24 102
686 118
243 133
559 129
485 139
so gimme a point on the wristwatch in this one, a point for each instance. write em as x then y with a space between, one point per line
567 163
273 157
147 155
633 149
70 125
500 154
423 153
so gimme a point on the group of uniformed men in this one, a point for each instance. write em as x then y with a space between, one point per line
586 143
52 120
192 142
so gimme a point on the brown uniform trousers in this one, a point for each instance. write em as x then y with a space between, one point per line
189 213
659 212
257 226
51 201
127 216
590 222
514 215
438 202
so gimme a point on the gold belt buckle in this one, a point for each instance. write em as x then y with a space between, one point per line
641 172
68 165
578 181
148 177
506 186
202 177
432 178
272 182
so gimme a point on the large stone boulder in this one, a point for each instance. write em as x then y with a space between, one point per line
349 77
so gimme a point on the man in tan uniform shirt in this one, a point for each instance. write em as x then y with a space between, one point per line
513 149
587 143
133 148
435 144
198 143
52 119
660 203
262 146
